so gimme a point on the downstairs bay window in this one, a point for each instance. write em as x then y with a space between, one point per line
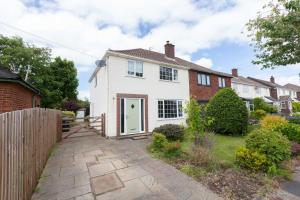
169 109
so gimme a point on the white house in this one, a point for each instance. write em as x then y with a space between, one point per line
139 90
292 90
248 89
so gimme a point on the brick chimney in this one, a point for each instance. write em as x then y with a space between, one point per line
234 72
169 50
272 79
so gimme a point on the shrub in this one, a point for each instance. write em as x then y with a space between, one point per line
172 149
258 114
229 113
158 141
291 131
70 114
260 104
273 144
294 120
297 114
171 131
295 148
296 106
252 160
203 157
271 122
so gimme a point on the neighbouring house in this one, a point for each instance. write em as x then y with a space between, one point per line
248 89
279 95
15 93
293 91
140 89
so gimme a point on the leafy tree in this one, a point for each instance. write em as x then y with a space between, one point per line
55 79
276 34
260 104
229 113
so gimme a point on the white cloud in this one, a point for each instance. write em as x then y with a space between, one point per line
96 25
205 62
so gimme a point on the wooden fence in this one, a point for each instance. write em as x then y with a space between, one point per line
26 139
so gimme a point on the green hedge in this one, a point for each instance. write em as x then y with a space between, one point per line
228 112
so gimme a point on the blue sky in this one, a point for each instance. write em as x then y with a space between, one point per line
208 32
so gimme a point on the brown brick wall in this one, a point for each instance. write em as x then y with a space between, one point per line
14 96
204 93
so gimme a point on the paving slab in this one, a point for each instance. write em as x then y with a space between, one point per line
131 173
101 169
105 183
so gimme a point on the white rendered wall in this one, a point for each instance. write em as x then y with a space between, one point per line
251 93
150 84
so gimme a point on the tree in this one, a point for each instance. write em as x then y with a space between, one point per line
229 113
61 83
55 79
276 34
260 104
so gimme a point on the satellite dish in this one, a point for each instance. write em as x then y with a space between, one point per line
100 63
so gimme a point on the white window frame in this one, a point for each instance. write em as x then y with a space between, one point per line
221 82
206 77
135 68
173 72
281 105
179 114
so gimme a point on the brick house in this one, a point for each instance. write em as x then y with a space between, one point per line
15 93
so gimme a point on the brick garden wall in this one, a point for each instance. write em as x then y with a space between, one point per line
204 93
14 96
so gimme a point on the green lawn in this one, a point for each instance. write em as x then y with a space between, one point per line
225 147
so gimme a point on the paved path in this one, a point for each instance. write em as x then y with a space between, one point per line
291 190
92 167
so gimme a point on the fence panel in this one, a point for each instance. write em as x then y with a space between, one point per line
26 139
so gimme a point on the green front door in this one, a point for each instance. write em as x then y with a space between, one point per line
132 115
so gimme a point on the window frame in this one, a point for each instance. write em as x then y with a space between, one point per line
135 72
179 109
207 79
173 74
223 82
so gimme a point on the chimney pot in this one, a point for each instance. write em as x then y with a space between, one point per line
272 79
234 72
169 50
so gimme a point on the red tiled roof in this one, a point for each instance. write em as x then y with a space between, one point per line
152 55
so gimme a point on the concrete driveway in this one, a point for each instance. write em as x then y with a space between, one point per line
92 167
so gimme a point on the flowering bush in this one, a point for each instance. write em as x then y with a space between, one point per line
252 160
272 122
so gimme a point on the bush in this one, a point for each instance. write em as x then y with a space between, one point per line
172 149
171 131
69 114
260 104
296 106
271 122
297 114
294 119
295 148
203 157
229 113
273 144
158 141
291 131
258 114
252 160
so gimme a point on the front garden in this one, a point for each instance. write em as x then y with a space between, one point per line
221 150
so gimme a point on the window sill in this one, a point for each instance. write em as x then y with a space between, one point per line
168 81
167 119
135 77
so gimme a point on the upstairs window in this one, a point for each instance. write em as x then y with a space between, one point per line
169 74
135 68
221 82
203 79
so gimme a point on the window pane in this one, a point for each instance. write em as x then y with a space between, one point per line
199 79
223 82
220 82
179 108
203 79
207 80
166 73
139 69
170 108
130 67
175 71
160 109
